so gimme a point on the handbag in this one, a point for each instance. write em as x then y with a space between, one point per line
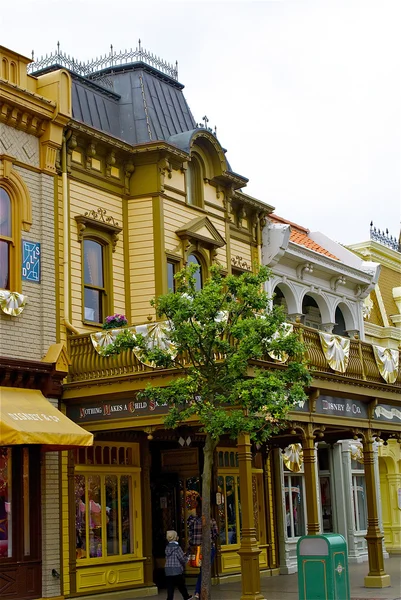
195 560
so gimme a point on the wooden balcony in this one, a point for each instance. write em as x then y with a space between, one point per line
88 366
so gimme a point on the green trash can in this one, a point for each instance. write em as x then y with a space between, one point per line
323 567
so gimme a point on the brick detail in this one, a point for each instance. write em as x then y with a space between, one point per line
51 551
19 145
30 334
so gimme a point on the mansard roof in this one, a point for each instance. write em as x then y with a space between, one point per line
133 96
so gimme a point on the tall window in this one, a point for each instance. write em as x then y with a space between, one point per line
94 281
107 500
323 456
195 182
6 240
192 259
295 515
171 271
359 496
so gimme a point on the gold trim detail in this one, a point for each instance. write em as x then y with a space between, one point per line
293 457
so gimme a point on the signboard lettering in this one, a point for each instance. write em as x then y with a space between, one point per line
341 407
110 410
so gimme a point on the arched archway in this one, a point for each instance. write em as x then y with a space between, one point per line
315 310
344 321
284 296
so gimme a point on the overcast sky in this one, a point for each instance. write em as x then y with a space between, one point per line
306 95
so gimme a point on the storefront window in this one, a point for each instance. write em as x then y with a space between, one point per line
126 514
295 517
360 507
229 517
25 499
6 549
108 529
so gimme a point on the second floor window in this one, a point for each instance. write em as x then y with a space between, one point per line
6 239
192 259
94 282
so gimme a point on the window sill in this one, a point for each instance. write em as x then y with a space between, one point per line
92 324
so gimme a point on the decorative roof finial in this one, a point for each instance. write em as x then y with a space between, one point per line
206 121
58 47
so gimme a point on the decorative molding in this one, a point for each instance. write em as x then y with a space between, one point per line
336 281
303 269
196 231
315 258
97 219
241 263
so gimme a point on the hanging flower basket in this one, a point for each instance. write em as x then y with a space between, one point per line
115 321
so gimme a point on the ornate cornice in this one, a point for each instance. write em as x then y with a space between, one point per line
375 252
329 263
30 374
97 219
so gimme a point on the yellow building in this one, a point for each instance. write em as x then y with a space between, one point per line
142 189
33 113
382 326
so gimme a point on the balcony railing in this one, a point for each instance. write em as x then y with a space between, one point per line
89 366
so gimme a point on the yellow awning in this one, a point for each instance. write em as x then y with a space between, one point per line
26 417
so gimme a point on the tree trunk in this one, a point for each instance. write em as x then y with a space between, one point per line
208 451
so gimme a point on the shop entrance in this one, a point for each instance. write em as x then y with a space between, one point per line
175 485
20 523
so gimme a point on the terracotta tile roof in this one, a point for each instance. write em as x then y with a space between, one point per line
299 235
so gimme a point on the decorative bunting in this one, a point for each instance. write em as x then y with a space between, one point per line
293 457
12 303
336 350
283 332
387 360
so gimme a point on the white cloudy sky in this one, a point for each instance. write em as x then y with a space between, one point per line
305 94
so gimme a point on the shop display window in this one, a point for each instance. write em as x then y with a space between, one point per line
106 500
295 509
6 549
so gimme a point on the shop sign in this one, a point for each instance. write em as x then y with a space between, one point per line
386 412
112 410
31 261
341 407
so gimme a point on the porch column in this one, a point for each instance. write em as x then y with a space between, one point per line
146 514
249 550
312 507
377 577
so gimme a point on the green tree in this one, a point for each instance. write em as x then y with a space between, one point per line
221 335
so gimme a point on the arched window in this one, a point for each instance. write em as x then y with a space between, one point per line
6 239
195 182
94 281
192 259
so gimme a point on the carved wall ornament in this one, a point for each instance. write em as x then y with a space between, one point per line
367 307
129 168
336 281
238 261
90 153
110 162
98 219
303 269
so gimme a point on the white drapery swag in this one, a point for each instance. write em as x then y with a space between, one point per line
336 350
155 334
293 457
12 303
387 360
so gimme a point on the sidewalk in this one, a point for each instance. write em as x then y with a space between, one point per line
285 587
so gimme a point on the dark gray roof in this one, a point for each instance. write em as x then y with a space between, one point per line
145 105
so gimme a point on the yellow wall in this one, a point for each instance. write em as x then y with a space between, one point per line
141 258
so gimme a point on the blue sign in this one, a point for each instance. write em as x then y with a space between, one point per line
31 261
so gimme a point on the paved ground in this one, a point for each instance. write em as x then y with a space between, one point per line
285 587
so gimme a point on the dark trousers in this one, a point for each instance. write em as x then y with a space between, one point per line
176 581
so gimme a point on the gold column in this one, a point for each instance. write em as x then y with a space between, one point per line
377 577
249 550
309 452
146 514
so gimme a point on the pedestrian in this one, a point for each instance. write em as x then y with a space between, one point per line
175 566
195 539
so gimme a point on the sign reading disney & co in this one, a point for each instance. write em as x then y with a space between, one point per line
111 410
341 407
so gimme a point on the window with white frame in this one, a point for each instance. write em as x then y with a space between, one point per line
295 505
359 496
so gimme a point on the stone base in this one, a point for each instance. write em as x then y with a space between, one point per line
140 593
377 581
253 596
